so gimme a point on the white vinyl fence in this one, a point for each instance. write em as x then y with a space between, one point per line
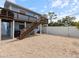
64 31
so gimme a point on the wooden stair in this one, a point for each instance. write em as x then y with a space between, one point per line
26 31
9 15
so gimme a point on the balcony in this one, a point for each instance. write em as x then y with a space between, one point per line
17 16
12 15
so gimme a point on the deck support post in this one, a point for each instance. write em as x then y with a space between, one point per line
13 29
40 28
47 29
0 30
25 24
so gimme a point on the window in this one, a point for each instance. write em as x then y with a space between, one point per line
21 26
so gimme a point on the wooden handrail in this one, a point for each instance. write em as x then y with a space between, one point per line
17 12
25 32
14 12
9 12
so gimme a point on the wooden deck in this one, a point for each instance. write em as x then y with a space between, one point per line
9 15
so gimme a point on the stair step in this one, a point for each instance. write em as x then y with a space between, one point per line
25 32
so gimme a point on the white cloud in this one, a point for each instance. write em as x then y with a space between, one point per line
24 0
33 8
12 1
75 1
65 3
73 10
42 11
45 6
56 3
2 3
77 17
61 4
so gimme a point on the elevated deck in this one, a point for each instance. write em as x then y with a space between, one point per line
9 15
12 17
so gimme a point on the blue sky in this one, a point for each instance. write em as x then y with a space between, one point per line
60 7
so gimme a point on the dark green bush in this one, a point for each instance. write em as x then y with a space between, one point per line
77 25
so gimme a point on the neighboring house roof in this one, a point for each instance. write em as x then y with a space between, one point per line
7 3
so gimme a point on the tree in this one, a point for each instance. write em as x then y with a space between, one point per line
51 16
77 25
60 22
51 24
45 17
68 20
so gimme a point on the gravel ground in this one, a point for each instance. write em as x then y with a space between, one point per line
41 46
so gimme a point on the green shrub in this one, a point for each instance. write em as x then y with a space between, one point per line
77 25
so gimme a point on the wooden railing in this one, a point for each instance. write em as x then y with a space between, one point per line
17 16
26 31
